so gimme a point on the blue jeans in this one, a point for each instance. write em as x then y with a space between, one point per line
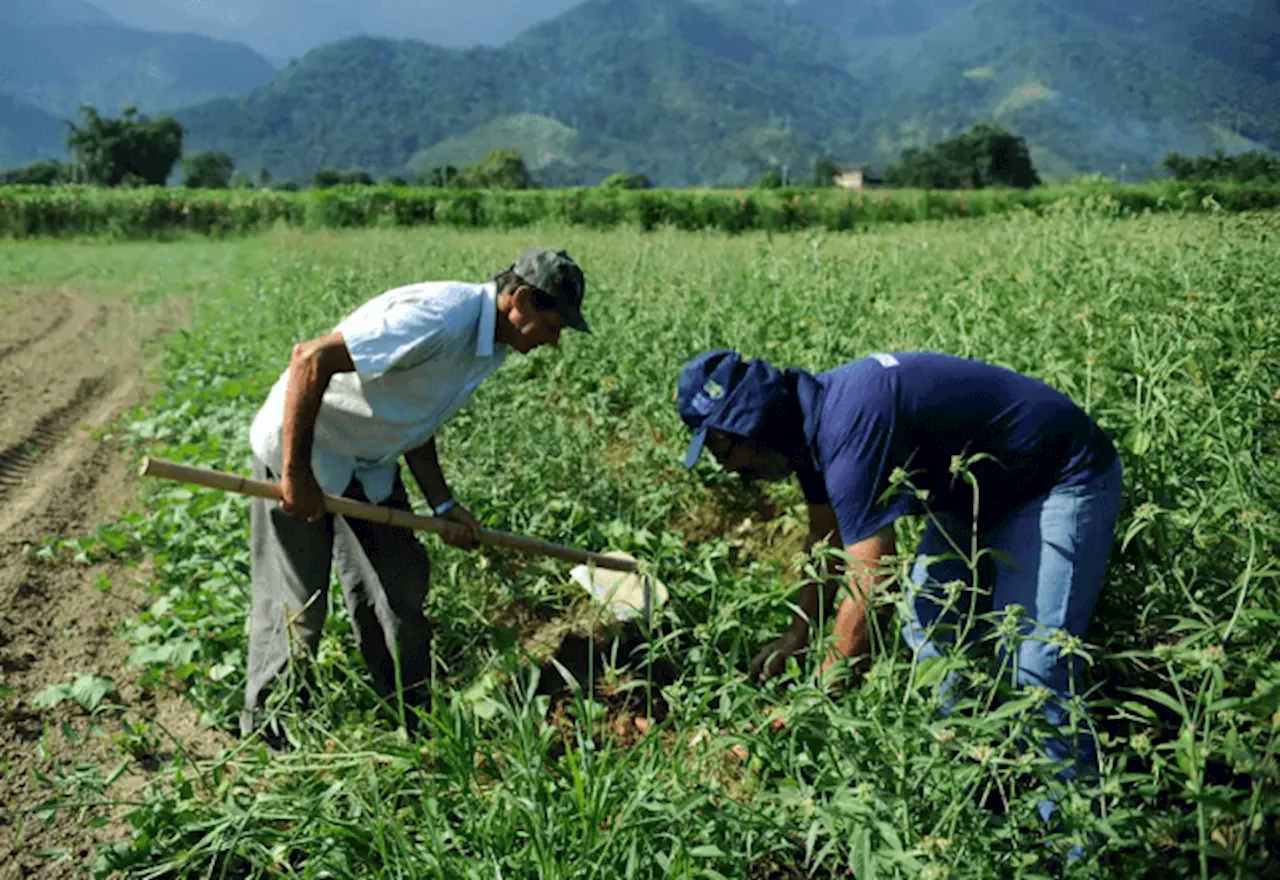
1055 552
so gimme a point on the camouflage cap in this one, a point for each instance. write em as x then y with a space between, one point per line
555 274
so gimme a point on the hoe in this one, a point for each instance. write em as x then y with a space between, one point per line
615 579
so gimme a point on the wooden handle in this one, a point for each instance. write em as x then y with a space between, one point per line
181 473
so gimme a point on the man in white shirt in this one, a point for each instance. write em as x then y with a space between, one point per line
338 420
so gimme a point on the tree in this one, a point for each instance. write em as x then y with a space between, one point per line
207 171
987 155
625 180
129 150
771 179
43 173
438 177
499 169
1243 167
824 172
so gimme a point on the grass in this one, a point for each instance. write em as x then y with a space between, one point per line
1163 327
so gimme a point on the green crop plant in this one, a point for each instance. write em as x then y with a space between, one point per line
160 212
1163 325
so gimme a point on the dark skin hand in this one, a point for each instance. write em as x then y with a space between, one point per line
311 367
851 628
755 460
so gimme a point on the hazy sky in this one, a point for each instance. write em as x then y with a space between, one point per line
280 29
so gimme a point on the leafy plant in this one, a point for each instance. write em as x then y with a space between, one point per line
87 689
662 760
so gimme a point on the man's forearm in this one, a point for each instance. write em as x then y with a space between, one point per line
850 629
816 601
302 399
424 464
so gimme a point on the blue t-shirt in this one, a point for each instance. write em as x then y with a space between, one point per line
915 411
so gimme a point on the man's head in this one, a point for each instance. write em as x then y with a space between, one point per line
732 407
538 295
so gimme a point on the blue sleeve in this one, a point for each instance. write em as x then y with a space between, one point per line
811 483
857 474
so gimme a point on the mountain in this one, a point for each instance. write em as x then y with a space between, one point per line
284 29
716 91
1091 84
545 141
44 13
57 55
28 134
653 86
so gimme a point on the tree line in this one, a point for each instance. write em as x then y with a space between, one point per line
135 150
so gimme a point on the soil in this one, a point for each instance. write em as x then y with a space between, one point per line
70 365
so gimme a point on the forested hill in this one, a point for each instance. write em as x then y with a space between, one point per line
717 91
678 90
27 134
1092 84
57 54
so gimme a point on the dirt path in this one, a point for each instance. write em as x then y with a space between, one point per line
69 365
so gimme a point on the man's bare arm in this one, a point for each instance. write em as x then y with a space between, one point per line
311 366
851 630
823 529
424 464
815 601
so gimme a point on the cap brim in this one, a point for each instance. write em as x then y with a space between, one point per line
575 320
695 448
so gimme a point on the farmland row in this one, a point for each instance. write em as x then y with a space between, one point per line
140 213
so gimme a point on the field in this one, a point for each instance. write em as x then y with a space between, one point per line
123 645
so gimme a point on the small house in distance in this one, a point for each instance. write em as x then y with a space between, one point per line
856 177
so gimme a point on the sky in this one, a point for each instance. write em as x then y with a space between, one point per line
281 29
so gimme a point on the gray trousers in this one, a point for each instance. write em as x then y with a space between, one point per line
384 572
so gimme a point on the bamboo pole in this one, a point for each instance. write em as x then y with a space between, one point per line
168 470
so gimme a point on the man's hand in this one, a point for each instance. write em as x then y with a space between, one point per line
464 530
773 659
301 495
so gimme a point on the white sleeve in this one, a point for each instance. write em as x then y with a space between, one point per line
398 335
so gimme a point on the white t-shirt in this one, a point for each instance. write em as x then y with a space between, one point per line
420 352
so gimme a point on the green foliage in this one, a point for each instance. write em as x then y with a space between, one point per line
988 155
824 172
625 180
141 213
499 169
715 91
771 179
1166 337
207 171
43 173
439 177
87 689
1253 167
132 149
328 178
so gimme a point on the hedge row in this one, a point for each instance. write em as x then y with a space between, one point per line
141 213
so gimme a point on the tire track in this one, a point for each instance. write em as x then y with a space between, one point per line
63 315
19 459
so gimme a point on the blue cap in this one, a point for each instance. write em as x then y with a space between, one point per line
719 390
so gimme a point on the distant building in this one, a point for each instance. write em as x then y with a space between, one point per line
856 177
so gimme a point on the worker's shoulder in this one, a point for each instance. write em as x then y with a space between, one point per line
438 296
446 305
865 374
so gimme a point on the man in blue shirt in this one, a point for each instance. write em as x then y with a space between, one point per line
963 442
